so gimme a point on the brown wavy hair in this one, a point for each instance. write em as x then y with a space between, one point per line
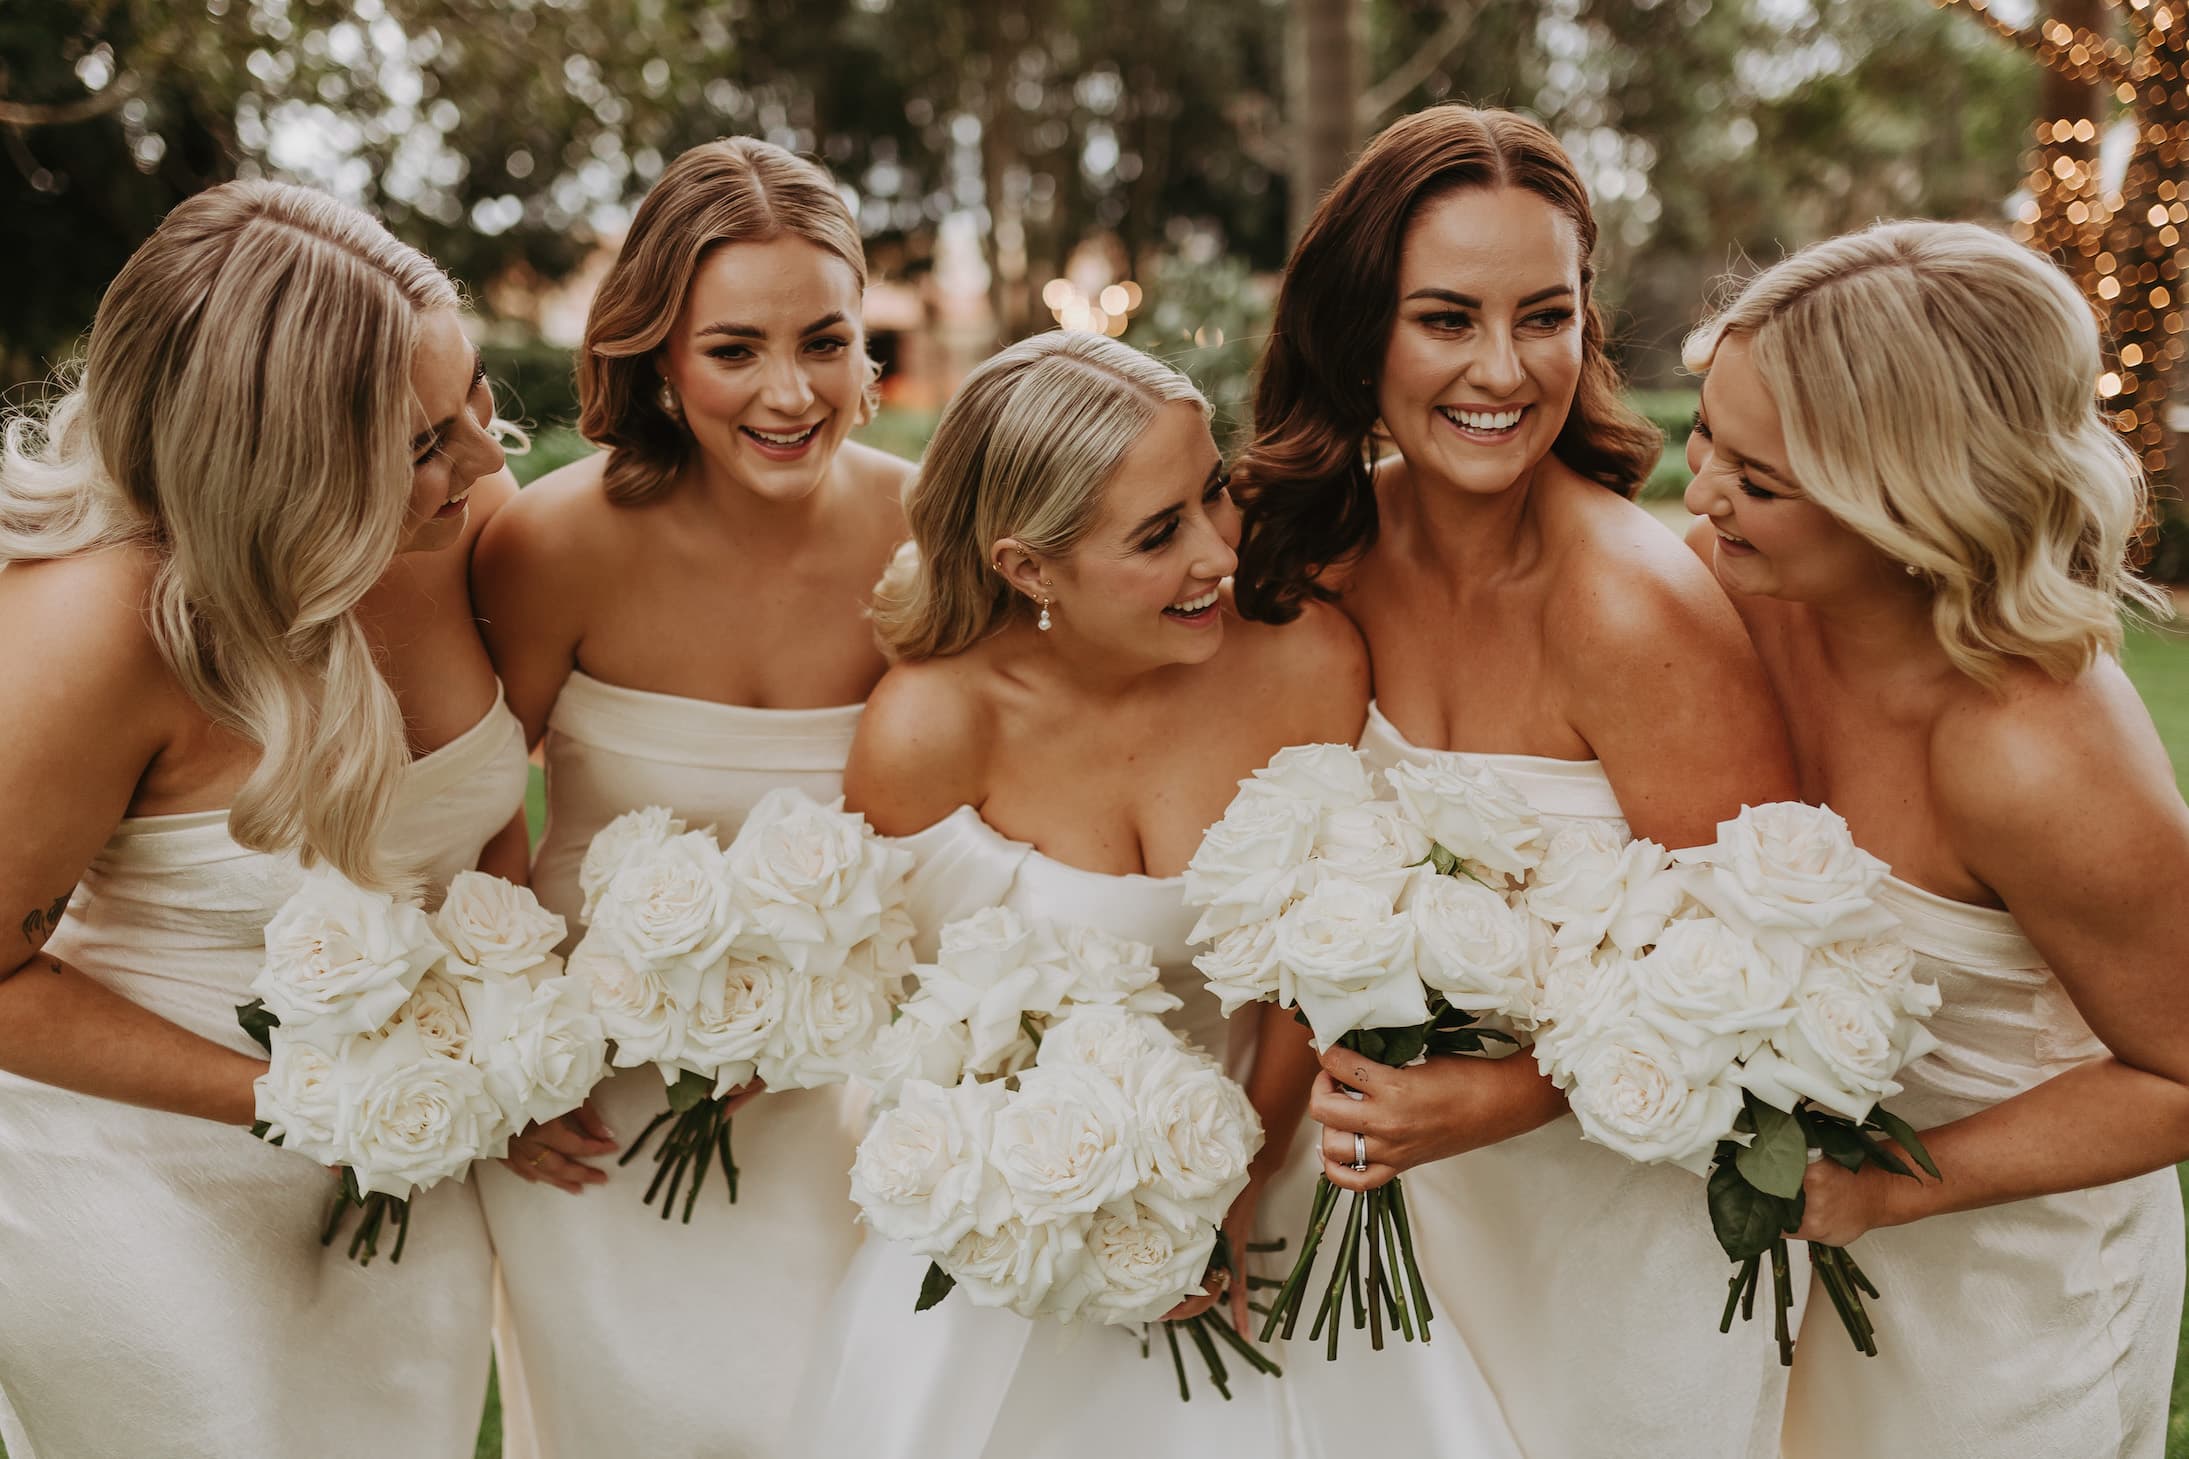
732 190
1305 482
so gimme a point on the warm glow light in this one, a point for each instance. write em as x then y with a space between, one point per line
2109 385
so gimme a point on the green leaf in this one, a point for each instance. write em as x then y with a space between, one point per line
259 1021
1905 1137
1444 861
1401 1046
934 1287
1776 1159
689 1090
1745 1220
1842 1144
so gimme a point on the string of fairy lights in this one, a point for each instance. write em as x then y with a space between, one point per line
2124 246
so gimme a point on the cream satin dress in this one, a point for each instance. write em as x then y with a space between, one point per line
1586 1288
966 1382
622 1333
163 1292
2032 1330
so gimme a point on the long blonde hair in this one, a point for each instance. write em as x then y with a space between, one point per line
1937 384
244 410
1023 451
733 190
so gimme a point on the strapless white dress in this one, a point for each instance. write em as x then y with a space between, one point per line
623 1333
163 1292
2041 1328
1586 1288
966 1382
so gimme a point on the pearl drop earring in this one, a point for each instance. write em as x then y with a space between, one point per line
1042 622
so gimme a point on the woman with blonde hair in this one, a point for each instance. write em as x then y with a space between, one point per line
239 640
1073 705
1913 496
682 618
1522 614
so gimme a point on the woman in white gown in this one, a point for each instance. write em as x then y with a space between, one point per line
1073 706
1519 611
1920 506
166 1290
682 618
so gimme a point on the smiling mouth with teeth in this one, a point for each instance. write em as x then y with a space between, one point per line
1483 421
778 438
1194 606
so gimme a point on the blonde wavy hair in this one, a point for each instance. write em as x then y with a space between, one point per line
734 190
1023 450
1937 384
244 410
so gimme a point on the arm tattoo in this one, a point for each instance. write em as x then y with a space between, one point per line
42 921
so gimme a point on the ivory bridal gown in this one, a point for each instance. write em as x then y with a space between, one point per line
623 1333
163 1291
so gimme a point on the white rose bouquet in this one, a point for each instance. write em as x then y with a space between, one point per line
778 960
405 1047
1091 1180
1767 1019
1396 923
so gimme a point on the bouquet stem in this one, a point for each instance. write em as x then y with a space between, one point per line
698 1136
376 1212
1375 1226
1210 1332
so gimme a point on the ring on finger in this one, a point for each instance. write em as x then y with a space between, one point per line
1360 1151
539 1157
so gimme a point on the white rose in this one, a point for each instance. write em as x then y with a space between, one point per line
1636 1093
1708 986
1328 777
1582 997
1111 970
1842 1048
1241 966
1595 885
410 1119
1140 1265
994 974
634 833
299 1096
492 924
1369 844
1034 1269
644 1006
1346 957
673 901
1250 863
341 960
828 1025
436 1009
914 1047
1886 966
1787 873
1111 1039
1199 1133
1064 1143
741 1003
1471 811
816 880
922 1176
1470 945
540 1047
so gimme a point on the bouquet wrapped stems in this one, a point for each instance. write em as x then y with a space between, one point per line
1756 1199
699 1135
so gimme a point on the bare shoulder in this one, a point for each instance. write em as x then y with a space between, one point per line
87 613
1623 585
1311 674
922 746
876 470
557 534
2058 768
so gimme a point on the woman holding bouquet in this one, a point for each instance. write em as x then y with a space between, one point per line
235 582
1061 611
682 617
1916 501
1522 613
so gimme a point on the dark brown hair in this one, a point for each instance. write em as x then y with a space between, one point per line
733 190
1305 482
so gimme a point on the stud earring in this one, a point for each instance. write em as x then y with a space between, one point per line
1911 569
1042 622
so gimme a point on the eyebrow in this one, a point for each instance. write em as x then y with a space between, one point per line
1156 519
440 427
1468 301
753 331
